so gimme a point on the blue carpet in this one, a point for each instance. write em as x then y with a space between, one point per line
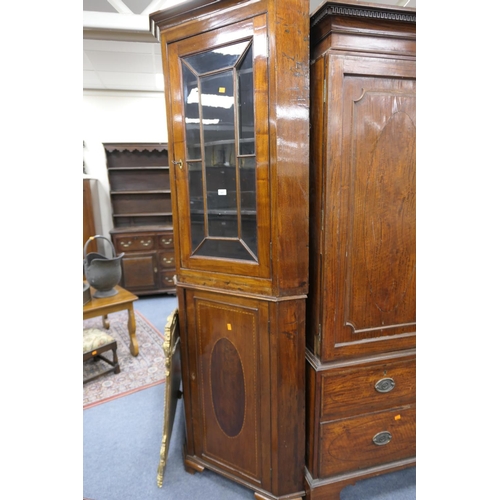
121 449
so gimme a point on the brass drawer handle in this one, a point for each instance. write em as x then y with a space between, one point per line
382 438
385 385
123 244
168 261
146 243
166 242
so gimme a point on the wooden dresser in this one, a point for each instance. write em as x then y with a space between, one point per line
237 95
139 180
361 319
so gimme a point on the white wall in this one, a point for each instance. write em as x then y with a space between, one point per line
118 116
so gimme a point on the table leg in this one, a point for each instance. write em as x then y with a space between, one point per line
134 346
105 322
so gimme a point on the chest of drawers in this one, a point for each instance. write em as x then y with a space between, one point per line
148 264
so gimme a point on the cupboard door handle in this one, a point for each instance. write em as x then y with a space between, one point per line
382 438
385 385
178 163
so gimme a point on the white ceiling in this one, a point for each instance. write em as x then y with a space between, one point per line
120 53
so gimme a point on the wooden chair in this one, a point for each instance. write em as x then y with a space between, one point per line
96 342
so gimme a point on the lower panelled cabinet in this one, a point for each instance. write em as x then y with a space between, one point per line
361 420
148 266
241 420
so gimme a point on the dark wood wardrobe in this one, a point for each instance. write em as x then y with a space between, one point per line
361 319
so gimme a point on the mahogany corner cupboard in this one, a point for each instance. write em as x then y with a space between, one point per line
361 320
237 101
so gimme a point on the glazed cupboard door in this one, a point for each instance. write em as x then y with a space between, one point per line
369 207
219 106
229 363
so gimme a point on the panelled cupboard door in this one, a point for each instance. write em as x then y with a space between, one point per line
231 383
219 106
369 207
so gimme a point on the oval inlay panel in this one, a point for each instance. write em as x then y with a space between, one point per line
228 387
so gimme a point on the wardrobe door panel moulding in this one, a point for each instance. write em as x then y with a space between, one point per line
237 80
361 320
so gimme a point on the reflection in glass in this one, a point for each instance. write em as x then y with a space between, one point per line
220 135
192 112
245 103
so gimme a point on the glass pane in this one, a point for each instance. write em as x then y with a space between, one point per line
245 105
223 57
221 201
229 249
192 114
197 208
248 203
218 101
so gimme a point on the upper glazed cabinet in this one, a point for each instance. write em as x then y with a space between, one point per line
220 157
238 140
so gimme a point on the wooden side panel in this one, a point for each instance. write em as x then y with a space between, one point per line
88 217
313 399
316 204
370 220
289 134
287 332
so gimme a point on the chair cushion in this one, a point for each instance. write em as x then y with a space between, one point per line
93 338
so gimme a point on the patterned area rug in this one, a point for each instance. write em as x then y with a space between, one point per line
137 373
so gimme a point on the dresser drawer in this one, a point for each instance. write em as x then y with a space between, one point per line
166 240
167 279
378 386
369 440
167 259
128 242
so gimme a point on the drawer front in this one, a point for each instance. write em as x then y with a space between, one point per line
167 279
366 441
166 240
365 389
135 242
167 259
